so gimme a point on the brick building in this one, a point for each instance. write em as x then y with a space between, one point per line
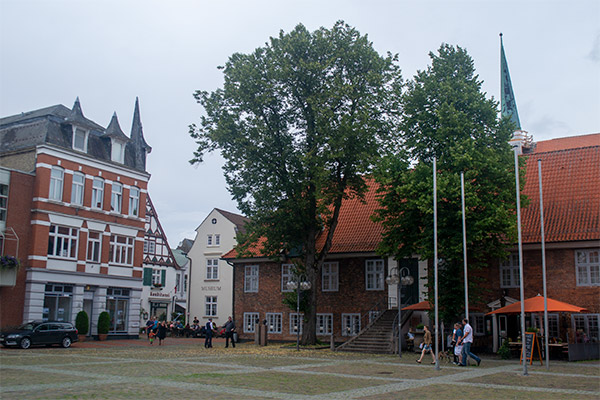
75 196
352 287
350 292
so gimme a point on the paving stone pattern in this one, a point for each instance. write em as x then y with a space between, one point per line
183 369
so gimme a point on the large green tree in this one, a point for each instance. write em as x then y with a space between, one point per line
447 116
300 121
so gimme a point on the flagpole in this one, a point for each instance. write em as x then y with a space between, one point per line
544 266
435 262
521 289
462 195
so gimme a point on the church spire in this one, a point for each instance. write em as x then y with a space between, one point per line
509 105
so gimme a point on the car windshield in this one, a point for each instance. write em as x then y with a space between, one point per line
28 326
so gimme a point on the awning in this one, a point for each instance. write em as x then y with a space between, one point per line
536 305
422 306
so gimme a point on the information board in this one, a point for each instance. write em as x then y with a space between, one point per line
531 345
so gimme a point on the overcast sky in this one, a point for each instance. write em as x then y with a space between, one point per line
108 52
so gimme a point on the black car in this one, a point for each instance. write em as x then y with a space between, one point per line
40 333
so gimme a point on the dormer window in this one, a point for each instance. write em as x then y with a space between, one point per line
118 151
80 138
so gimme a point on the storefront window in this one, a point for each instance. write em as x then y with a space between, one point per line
57 303
117 305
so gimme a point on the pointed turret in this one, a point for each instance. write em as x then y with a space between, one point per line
509 105
137 137
77 118
114 130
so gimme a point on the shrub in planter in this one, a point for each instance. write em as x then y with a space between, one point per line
82 323
103 323
504 350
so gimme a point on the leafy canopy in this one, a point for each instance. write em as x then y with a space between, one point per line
447 116
299 122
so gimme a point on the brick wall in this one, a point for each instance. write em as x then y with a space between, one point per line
19 209
560 278
350 298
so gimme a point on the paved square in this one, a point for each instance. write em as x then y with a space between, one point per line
183 368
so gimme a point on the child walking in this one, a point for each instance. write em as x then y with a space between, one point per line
151 336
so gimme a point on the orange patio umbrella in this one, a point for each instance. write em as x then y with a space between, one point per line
536 305
422 306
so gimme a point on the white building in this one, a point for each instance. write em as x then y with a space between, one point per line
211 279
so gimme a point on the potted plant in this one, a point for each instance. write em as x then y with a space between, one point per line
419 328
82 323
103 325
9 266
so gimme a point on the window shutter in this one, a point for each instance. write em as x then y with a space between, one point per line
163 275
147 277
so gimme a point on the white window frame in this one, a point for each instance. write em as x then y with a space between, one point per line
63 243
330 277
94 247
121 253
251 279
582 321
157 277
57 177
98 193
294 323
477 321
249 321
76 131
587 267
212 269
77 188
350 324
374 274
217 239
274 322
3 202
134 201
286 276
149 246
324 324
116 197
209 240
210 306
118 151
509 271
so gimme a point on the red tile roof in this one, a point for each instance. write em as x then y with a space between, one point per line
571 142
571 182
571 193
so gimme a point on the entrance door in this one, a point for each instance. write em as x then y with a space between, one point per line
410 294
88 308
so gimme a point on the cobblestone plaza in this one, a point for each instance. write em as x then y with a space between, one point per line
183 368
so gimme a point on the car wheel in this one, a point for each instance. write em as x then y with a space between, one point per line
25 343
66 342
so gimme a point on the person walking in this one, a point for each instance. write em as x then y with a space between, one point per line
427 345
467 341
229 329
457 334
161 333
209 334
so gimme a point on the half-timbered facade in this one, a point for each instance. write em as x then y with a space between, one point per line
163 278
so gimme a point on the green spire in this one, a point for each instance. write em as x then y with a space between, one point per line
509 105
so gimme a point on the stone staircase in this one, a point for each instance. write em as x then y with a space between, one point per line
376 338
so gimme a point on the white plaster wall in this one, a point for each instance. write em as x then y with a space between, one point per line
199 286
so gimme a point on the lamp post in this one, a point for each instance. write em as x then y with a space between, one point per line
300 283
399 278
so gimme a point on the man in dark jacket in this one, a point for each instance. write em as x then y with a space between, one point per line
229 329
209 334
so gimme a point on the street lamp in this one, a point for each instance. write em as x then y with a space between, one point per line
300 283
399 277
